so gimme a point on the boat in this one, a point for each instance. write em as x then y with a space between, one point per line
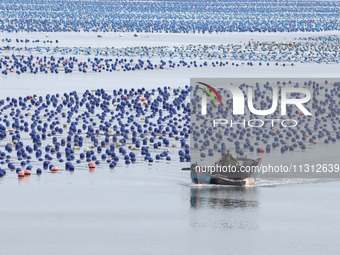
239 172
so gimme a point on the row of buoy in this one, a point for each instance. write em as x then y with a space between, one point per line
179 17
39 171
317 49
17 40
20 65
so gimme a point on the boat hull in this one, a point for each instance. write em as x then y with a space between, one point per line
233 178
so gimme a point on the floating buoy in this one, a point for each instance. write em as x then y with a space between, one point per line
54 169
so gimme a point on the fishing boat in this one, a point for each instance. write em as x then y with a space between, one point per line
239 172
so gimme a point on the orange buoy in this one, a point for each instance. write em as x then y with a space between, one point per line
27 172
306 135
54 169
92 165
314 142
262 150
21 174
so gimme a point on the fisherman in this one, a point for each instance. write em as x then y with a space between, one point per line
227 159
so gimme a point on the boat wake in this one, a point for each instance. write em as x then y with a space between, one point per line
267 183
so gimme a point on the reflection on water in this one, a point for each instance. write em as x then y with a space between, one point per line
223 207
223 197
24 180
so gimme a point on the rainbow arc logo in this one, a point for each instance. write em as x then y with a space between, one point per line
209 93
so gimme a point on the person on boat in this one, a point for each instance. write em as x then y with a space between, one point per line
227 159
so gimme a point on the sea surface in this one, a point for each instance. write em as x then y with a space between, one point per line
153 208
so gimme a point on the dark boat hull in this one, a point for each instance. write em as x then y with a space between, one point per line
235 178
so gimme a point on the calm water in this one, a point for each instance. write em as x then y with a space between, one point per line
154 209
